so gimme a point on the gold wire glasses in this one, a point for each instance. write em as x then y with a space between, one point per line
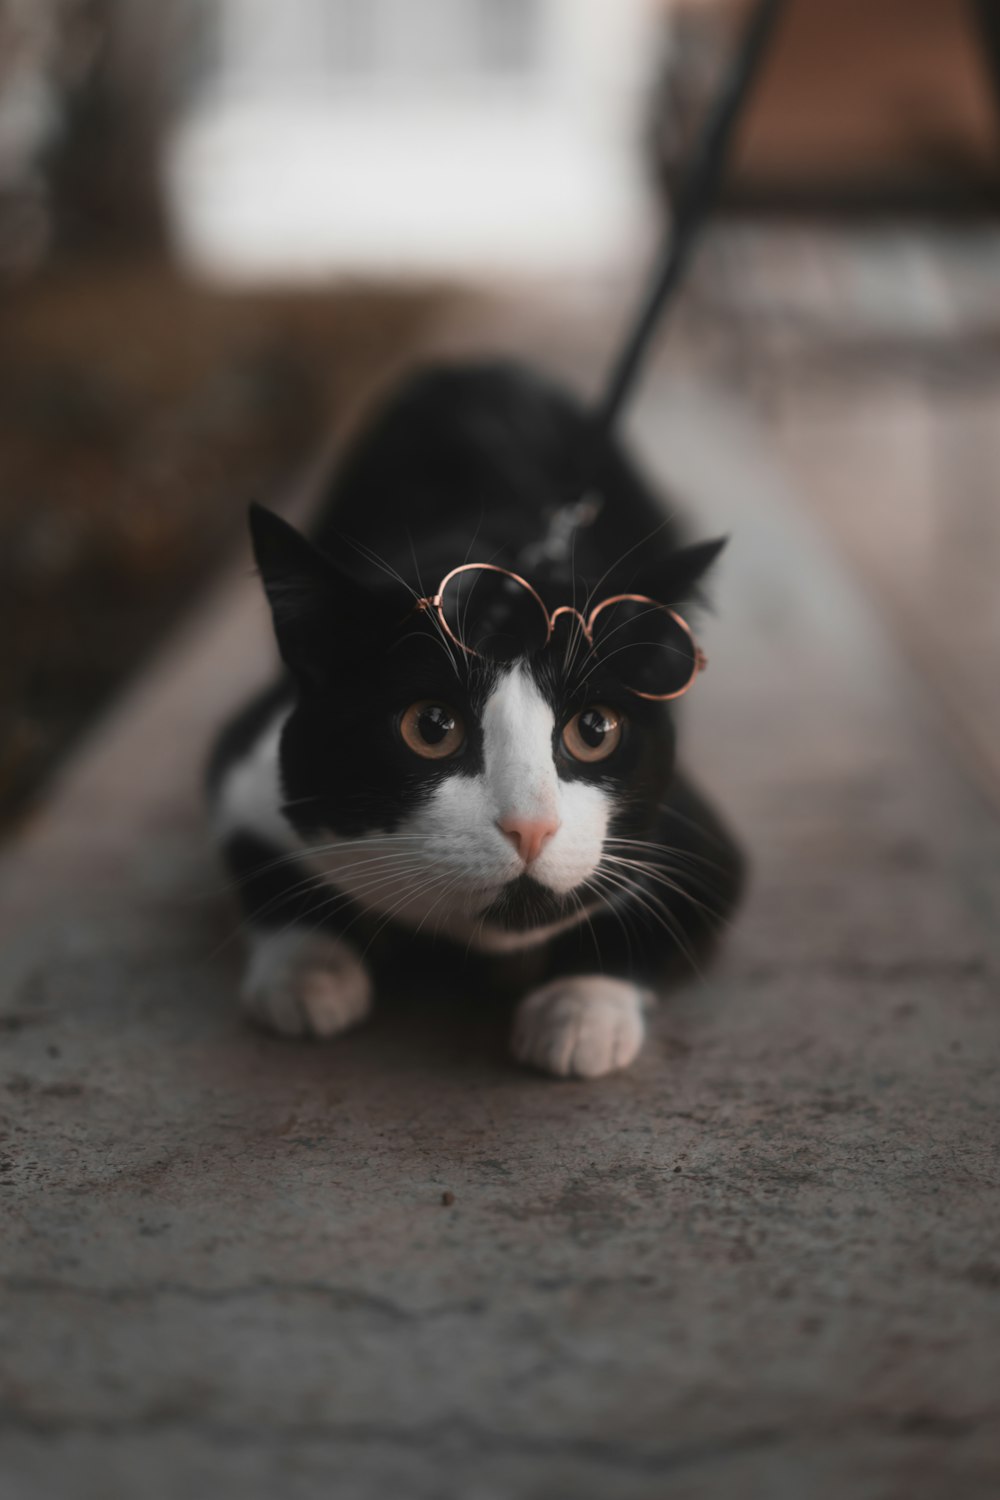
651 645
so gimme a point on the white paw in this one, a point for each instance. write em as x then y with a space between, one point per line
581 1027
305 984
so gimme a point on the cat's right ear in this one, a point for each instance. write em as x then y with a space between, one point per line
308 595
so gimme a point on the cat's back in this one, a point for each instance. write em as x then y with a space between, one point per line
475 455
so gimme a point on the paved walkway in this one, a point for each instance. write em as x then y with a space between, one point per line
764 1263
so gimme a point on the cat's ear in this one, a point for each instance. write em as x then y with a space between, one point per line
311 599
679 577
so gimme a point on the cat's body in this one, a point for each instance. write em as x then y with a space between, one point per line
490 820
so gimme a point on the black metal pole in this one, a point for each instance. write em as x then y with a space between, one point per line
695 199
986 18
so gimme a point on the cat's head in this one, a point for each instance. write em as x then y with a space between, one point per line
452 789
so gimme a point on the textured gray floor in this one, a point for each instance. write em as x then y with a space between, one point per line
764 1263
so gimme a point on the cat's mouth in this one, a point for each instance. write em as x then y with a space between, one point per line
524 904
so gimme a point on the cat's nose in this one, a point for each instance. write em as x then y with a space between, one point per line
528 835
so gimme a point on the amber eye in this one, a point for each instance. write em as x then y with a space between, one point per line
432 730
593 733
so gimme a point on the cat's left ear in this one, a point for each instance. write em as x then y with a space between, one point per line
680 575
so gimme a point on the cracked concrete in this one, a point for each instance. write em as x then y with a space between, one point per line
766 1262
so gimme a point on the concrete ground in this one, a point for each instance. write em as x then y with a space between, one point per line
764 1263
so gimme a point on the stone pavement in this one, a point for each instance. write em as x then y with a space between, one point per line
764 1263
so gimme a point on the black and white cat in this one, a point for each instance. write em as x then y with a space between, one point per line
471 775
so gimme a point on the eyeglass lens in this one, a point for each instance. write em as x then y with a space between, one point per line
493 614
645 647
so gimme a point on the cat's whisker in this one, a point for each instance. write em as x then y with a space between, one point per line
416 564
692 823
654 907
658 919
678 862
476 933
369 870
607 656
450 887
397 909
380 562
696 892
394 573
623 916
587 917
669 919
307 852
335 900
686 882
255 919
475 536
614 566
670 850
320 883
660 877
447 645
444 640
576 643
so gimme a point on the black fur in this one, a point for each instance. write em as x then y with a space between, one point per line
471 463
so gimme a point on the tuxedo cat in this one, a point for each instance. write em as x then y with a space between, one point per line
471 755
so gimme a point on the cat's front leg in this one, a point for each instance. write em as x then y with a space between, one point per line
582 1026
304 983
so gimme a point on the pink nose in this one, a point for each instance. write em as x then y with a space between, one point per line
528 835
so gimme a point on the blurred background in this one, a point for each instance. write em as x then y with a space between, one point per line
222 220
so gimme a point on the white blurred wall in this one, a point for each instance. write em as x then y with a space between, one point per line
409 137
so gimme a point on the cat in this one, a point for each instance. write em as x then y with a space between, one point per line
477 774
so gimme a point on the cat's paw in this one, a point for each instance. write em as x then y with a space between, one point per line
580 1027
305 984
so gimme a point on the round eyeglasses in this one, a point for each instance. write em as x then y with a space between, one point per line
487 610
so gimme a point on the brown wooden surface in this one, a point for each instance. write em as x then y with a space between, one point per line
862 99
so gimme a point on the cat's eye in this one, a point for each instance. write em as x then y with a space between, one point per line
593 734
432 729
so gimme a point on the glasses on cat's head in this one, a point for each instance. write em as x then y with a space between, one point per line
490 611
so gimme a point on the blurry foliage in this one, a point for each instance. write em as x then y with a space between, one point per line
138 416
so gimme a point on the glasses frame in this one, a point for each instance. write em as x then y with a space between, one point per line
435 602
